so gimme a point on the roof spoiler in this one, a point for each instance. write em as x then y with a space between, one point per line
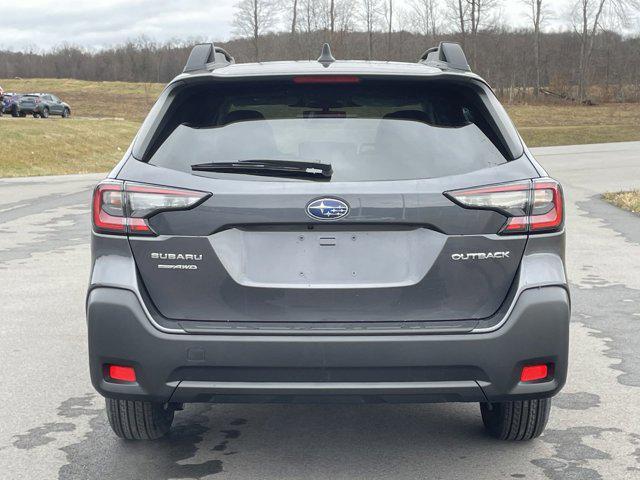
447 56
206 56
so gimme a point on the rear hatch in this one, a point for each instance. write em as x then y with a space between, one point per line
375 239
28 101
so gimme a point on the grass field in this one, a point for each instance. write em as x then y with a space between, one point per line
55 146
106 115
625 200
547 125
130 101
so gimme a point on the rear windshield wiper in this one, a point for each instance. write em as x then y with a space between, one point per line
273 168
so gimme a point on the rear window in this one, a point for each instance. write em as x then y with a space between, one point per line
367 131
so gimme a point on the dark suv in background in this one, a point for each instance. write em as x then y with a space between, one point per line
328 230
10 103
42 105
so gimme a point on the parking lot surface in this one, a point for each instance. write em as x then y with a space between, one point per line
53 426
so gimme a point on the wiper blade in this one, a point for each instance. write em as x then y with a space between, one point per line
282 168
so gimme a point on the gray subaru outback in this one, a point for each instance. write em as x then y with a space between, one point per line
328 231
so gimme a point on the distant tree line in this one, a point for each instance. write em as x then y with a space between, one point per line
588 62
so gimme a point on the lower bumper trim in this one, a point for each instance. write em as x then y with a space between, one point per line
319 392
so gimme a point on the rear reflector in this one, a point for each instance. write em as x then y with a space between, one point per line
531 206
326 79
531 373
123 207
121 373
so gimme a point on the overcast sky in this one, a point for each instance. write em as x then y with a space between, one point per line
42 24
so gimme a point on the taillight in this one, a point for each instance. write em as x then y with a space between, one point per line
108 208
531 206
123 207
547 206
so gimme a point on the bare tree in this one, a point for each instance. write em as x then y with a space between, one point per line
470 16
505 56
253 18
424 16
370 17
589 16
590 13
294 17
479 11
332 16
458 13
344 15
315 20
536 12
289 16
387 10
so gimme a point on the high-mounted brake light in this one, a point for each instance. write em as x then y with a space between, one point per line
326 79
531 206
123 207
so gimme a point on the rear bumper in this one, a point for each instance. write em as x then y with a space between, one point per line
469 367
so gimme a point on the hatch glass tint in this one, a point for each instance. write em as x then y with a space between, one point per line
367 131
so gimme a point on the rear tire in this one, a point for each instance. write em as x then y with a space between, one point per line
139 420
520 421
44 113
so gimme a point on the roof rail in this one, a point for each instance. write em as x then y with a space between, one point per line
206 56
447 56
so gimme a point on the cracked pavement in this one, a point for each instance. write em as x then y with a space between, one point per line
53 425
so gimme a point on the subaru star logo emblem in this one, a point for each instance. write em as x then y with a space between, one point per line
327 209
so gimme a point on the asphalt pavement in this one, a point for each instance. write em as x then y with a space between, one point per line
53 425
